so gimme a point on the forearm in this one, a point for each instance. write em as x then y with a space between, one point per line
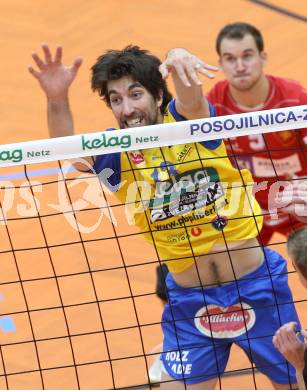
61 124
190 101
59 116
300 380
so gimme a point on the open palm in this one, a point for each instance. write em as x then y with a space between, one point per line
54 77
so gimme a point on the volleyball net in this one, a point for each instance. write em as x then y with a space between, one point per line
77 277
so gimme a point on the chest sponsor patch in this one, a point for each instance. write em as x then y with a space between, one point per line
265 167
225 322
192 190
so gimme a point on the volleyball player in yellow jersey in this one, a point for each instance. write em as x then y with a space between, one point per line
198 212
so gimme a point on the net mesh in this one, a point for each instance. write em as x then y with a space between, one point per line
72 296
77 284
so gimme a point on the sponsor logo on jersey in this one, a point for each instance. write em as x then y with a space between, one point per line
194 216
225 322
178 362
219 222
177 237
137 157
185 152
196 231
187 192
265 167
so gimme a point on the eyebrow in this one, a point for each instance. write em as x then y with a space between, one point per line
132 86
244 51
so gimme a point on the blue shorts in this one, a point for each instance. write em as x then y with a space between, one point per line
200 325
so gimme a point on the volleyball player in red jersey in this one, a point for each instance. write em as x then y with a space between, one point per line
272 157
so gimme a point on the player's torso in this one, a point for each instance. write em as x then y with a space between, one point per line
187 200
193 199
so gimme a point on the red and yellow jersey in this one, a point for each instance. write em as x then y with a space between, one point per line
186 198
271 156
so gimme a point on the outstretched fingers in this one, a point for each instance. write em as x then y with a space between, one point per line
47 53
187 67
33 72
76 65
188 71
183 72
191 72
206 69
48 58
53 76
58 55
38 61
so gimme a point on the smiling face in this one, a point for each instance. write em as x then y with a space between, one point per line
132 104
241 62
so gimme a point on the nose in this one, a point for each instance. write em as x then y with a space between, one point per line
127 107
240 65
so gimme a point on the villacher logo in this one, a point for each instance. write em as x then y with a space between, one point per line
225 322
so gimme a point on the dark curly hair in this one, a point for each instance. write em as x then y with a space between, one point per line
132 61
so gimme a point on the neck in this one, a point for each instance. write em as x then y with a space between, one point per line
254 97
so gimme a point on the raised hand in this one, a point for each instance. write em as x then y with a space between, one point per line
187 66
54 77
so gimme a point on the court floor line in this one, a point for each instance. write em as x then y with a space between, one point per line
280 10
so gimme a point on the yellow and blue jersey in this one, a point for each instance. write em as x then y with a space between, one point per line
184 198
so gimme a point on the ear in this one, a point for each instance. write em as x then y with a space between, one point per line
160 99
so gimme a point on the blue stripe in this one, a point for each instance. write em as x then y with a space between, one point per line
113 162
174 112
41 172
